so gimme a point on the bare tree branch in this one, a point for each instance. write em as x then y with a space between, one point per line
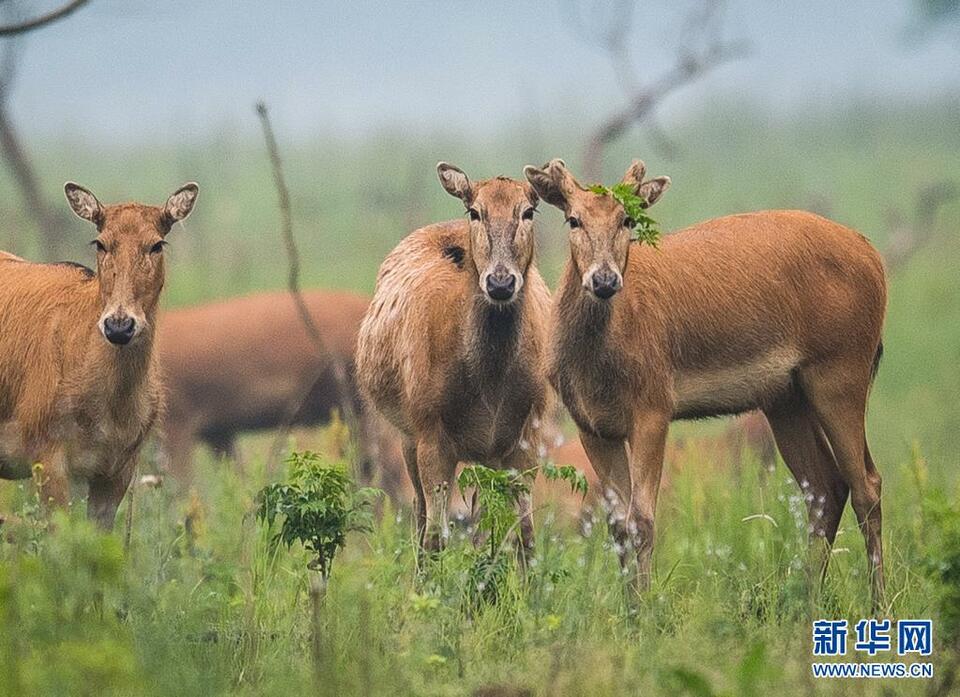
42 20
50 224
905 240
336 365
701 50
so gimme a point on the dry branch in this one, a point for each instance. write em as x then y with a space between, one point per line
49 223
692 62
905 239
336 365
42 20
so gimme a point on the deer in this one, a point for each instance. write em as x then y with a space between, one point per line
80 387
249 364
452 348
777 310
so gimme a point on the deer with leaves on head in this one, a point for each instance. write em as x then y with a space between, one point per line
451 350
780 311
80 388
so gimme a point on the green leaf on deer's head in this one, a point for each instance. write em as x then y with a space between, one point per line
645 228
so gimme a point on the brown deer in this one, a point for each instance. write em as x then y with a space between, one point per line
79 386
451 350
776 310
249 364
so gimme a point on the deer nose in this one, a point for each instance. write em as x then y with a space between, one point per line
119 330
501 285
606 283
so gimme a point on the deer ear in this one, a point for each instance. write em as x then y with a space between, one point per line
634 175
180 203
83 203
455 182
650 191
552 182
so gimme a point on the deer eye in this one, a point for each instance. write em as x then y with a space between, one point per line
574 223
528 214
101 249
473 214
158 247
629 223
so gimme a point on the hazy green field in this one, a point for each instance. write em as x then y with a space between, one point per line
200 605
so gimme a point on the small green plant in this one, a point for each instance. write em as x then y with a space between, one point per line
566 473
318 505
497 492
497 495
645 228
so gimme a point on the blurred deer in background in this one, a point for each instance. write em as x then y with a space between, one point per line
79 385
776 310
249 364
452 348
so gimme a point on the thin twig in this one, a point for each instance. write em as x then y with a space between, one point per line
128 519
42 20
293 286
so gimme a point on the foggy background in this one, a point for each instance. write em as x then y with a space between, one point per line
848 109
134 71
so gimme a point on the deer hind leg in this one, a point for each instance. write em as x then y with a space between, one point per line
838 393
808 456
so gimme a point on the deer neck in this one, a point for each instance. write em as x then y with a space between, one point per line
492 334
592 339
586 324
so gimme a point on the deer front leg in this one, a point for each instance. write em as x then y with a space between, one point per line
647 444
436 467
523 460
629 472
106 493
51 478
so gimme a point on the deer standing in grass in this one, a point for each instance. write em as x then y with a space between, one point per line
776 310
79 386
452 347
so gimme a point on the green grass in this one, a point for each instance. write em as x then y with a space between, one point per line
202 605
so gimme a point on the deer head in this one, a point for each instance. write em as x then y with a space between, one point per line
600 230
130 240
500 213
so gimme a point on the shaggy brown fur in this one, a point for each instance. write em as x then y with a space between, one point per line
242 364
459 372
776 310
79 389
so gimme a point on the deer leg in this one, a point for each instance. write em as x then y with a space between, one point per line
437 468
808 456
52 480
838 393
368 447
419 500
522 461
105 496
630 475
647 444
